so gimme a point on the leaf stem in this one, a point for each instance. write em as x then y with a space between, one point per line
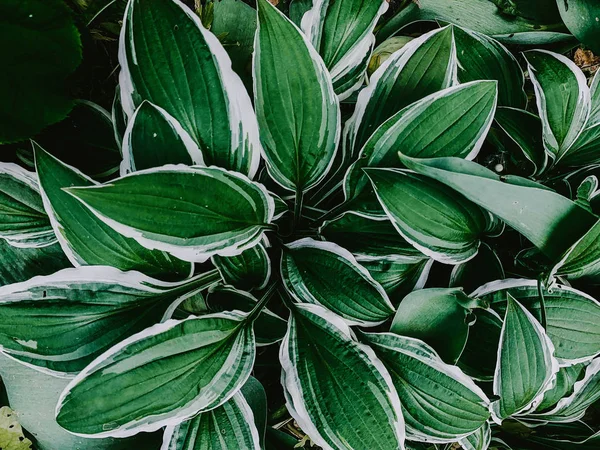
252 315
542 302
297 208
332 212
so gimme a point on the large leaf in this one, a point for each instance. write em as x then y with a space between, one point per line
563 99
452 122
40 48
572 316
580 17
440 223
525 130
165 373
521 386
230 426
337 390
298 113
369 239
483 58
23 221
550 221
21 264
249 270
205 211
61 322
326 274
168 58
342 32
154 138
436 316
439 402
83 237
481 16
399 277
423 66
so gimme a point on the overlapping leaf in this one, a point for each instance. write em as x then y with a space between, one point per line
166 373
168 58
205 211
251 269
298 113
338 391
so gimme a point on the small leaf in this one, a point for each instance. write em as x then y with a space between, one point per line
249 270
325 274
571 315
436 316
168 58
521 386
562 387
563 99
11 433
440 223
342 33
398 277
582 260
154 138
230 426
480 440
581 18
167 372
298 113
205 211
483 268
452 122
61 322
336 389
533 210
439 402
23 221
84 238
268 327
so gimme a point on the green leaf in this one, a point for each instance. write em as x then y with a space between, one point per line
61 322
269 327
582 260
84 238
563 386
369 239
204 210
452 122
422 67
21 264
342 33
168 58
478 15
550 221
163 374
571 315
521 386
298 114
249 270
541 11
230 426
581 18
254 393
440 223
478 359
118 117
398 277
585 149
480 440
563 99
436 316
337 390
154 138
23 221
40 48
235 23
585 393
326 274
85 140
439 402
483 268
11 433
483 58
525 130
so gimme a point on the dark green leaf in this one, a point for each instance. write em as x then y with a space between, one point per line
581 18
249 270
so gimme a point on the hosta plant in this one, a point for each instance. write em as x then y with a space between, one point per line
344 245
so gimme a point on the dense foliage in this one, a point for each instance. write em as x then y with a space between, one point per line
286 235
